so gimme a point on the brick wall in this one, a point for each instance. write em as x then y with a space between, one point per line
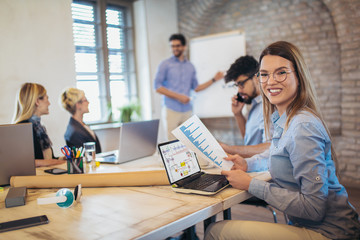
328 34
346 18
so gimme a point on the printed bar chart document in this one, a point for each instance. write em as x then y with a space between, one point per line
193 134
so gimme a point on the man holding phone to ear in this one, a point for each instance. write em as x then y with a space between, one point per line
243 73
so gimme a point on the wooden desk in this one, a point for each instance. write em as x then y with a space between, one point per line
119 212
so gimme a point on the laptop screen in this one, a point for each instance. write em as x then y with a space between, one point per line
16 151
179 161
138 139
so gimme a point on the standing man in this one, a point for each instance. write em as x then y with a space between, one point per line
243 73
175 78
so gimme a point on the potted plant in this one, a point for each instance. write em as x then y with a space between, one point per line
130 112
109 112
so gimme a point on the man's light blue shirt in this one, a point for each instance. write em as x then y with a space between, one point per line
254 128
304 184
177 76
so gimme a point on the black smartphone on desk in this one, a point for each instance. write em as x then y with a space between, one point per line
23 223
55 171
239 98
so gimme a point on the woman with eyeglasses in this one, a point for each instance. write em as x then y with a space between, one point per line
301 160
77 132
32 103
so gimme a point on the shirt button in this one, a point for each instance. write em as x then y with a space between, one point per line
317 178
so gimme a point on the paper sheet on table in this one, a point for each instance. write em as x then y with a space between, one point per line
193 134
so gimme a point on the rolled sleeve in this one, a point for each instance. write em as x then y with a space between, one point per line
306 197
257 188
310 170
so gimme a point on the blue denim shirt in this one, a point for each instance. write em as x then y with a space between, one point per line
179 77
254 129
304 184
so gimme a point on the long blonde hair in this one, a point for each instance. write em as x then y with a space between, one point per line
305 99
70 97
26 100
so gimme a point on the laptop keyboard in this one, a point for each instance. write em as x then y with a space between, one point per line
110 158
204 181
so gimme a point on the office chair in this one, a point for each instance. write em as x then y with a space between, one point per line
254 201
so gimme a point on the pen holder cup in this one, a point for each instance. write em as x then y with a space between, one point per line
75 165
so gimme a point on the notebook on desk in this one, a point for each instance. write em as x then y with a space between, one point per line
137 140
16 151
184 172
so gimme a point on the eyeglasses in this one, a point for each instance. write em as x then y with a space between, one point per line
241 84
83 100
176 46
279 76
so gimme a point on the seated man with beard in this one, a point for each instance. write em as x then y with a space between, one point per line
243 73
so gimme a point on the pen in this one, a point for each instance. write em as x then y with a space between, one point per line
78 153
74 152
82 152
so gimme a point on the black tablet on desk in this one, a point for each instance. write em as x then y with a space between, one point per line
55 171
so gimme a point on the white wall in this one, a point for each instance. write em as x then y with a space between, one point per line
155 21
36 45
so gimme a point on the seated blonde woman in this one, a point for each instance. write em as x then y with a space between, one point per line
77 132
33 102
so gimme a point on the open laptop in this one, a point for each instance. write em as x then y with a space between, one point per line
184 173
16 151
137 140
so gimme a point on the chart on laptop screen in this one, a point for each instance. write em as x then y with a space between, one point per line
180 162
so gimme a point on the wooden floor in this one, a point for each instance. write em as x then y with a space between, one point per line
253 213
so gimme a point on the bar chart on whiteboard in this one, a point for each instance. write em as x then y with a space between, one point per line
198 138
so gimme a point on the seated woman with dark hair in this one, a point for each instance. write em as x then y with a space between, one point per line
77 132
32 103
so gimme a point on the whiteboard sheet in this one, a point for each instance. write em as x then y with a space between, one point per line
211 54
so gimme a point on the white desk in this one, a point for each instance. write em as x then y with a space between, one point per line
154 212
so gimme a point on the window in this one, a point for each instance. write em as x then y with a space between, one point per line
104 57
